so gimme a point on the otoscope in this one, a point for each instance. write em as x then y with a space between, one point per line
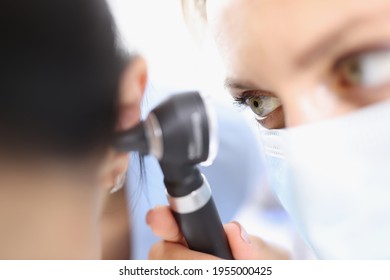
179 133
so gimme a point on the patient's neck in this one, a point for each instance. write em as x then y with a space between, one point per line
115 226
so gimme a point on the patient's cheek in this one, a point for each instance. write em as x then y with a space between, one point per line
45 216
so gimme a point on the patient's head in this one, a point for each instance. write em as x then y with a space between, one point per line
66 87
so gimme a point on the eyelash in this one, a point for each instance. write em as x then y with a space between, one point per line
241 101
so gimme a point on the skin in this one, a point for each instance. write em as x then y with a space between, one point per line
300 52
53 209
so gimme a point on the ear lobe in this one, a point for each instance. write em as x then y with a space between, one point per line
114 165
132 88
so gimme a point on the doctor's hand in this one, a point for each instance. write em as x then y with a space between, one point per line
173 245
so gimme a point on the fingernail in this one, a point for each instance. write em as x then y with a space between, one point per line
148 217
244 235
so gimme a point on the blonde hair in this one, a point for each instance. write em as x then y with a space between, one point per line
195 16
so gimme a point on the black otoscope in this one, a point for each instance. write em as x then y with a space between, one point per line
179 133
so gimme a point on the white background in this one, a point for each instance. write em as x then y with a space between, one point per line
157 30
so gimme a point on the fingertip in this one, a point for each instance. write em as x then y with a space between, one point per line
240 242
156 211
243 233
148 218
246 247
236 229
230 228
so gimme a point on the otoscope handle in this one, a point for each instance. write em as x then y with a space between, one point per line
204 232
200 223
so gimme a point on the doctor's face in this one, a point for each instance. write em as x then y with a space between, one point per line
302 61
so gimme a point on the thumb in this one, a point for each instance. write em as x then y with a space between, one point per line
245 247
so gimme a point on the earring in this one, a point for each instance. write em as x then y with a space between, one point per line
119 183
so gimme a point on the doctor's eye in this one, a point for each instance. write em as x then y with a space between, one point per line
268 109
365 70
262 105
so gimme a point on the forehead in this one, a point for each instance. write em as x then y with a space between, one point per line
273 31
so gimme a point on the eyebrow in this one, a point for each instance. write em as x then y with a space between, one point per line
233 83
325 45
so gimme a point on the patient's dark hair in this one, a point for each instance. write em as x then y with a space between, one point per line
59 78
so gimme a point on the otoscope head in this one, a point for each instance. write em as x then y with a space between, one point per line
184 124
180 131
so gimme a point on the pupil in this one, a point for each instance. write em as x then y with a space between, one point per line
354 71
355 67
256 104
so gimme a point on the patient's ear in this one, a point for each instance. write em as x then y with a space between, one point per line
132 88
131 92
